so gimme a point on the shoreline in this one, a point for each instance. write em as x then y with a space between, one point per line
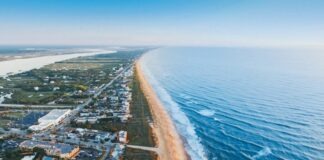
15 66
169 142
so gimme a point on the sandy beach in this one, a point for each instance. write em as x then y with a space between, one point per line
168 140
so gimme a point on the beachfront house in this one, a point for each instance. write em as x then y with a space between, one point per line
122 136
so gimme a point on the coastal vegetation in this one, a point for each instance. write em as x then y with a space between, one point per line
138 127
141 117
136 154
66 82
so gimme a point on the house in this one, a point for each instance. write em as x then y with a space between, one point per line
117 152
62 150
36 88
85 114
91 120
122 136
102 137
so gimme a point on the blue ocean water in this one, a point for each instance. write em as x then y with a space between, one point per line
242 103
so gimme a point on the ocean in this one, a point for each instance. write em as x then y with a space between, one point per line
242 103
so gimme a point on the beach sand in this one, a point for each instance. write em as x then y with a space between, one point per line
168 140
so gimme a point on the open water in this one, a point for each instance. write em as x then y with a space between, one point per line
242 103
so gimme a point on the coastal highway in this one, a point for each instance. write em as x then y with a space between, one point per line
25 106
108 84
81 106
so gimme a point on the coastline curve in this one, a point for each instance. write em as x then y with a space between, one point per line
168 140
180 122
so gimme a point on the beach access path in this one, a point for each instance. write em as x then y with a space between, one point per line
152 149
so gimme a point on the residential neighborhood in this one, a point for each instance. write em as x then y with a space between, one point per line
89 114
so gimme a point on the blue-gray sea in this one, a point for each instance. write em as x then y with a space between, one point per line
242 103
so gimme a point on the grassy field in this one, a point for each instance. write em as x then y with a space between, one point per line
13 154
14 115
140 132
23 97
136 154
7 117
4 122
76 65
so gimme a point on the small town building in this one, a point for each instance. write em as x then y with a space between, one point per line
54 117
122 136
36 88
62 150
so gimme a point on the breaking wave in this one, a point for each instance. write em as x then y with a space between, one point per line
240 110
206 112
264 152
186 130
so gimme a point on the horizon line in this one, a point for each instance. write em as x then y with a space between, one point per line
174 45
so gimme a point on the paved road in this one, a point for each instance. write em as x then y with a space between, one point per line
112 81
81 106
24 106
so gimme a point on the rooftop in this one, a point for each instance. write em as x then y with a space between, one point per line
61 147
54 114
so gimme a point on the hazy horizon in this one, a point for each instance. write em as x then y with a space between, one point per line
262 23
162 79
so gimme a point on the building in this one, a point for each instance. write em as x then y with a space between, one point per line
83 120
31 157
117 151
84 114
102 136
53 118
36 88
61 150
122 136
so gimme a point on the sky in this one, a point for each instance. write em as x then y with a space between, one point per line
163 22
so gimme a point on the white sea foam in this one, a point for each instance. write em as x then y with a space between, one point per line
191 102
264 152
185 96
22 65
207 112
182 123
